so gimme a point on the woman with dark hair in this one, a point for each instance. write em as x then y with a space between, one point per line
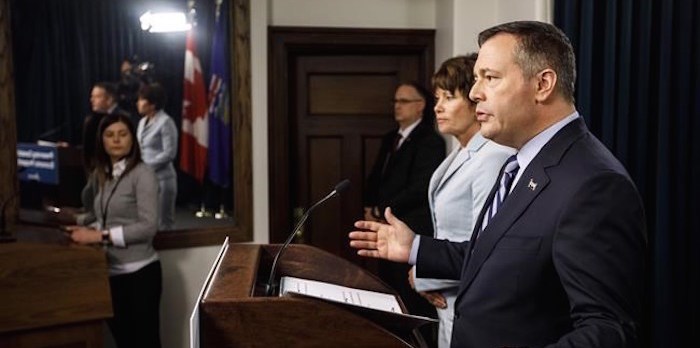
459 186
124 220
157 136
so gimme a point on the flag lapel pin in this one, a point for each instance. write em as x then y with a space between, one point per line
532 185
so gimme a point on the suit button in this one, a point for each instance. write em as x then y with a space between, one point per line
456 315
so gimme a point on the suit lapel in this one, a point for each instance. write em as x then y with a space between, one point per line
533 181
436 178
461 157
514 205
407 143
409 139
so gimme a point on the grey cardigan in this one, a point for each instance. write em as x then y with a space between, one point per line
134 207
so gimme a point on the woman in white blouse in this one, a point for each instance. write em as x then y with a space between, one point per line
157 137
460 185
124 220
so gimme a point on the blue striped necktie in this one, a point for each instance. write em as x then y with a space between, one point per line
509 172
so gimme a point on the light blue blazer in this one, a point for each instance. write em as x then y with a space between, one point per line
158 141
457 192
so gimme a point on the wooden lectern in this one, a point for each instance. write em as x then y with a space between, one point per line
234 312
52 295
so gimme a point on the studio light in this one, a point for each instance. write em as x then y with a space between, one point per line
165 22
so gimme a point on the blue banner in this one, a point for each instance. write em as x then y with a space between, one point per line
220 139
37 163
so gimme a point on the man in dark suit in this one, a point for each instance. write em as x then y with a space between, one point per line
103 101
407 158
399 179
558 257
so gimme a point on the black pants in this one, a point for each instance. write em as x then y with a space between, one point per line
136 304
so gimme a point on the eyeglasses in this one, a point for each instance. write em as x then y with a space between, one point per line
405 101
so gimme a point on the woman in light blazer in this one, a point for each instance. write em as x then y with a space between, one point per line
460 185
157 137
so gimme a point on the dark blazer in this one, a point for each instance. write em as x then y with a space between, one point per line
403 183
561 263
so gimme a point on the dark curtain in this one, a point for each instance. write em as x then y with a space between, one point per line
638 89
63 47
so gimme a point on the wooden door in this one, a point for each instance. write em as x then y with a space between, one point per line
337 106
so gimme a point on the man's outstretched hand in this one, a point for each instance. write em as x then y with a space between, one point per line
391 241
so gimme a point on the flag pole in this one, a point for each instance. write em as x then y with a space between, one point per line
202 212
221 214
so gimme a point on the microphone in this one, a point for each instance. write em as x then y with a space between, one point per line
270 286
51 133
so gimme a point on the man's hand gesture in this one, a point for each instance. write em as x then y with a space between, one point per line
391 241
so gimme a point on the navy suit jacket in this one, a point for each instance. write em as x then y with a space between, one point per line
403 184
562 262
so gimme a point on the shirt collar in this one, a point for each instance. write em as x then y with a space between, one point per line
119 168
407 131
531 148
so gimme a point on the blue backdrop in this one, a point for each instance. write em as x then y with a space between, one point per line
638 89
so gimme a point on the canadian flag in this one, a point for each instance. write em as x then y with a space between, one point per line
194 138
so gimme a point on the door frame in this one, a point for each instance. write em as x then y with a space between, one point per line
284 44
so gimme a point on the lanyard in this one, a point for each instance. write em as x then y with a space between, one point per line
104 205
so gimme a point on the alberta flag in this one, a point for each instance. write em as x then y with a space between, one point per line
194 139
219 113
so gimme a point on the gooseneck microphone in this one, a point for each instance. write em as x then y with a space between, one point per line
270 287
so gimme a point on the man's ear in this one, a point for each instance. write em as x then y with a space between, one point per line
546 84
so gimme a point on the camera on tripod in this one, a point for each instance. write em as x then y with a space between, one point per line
134 71
134 74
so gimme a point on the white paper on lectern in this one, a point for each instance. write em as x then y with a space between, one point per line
338 293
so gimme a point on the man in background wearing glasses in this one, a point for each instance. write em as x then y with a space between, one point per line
399 179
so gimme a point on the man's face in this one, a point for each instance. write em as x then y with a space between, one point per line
99 100
505 99
126 67
408 105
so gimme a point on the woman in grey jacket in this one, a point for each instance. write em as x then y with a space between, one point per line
124 220
157 137
460 185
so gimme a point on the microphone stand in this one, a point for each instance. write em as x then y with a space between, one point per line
270 287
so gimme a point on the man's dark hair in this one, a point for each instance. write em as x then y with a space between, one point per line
428 112
456 74
109 88
540 46
154 93
103 163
